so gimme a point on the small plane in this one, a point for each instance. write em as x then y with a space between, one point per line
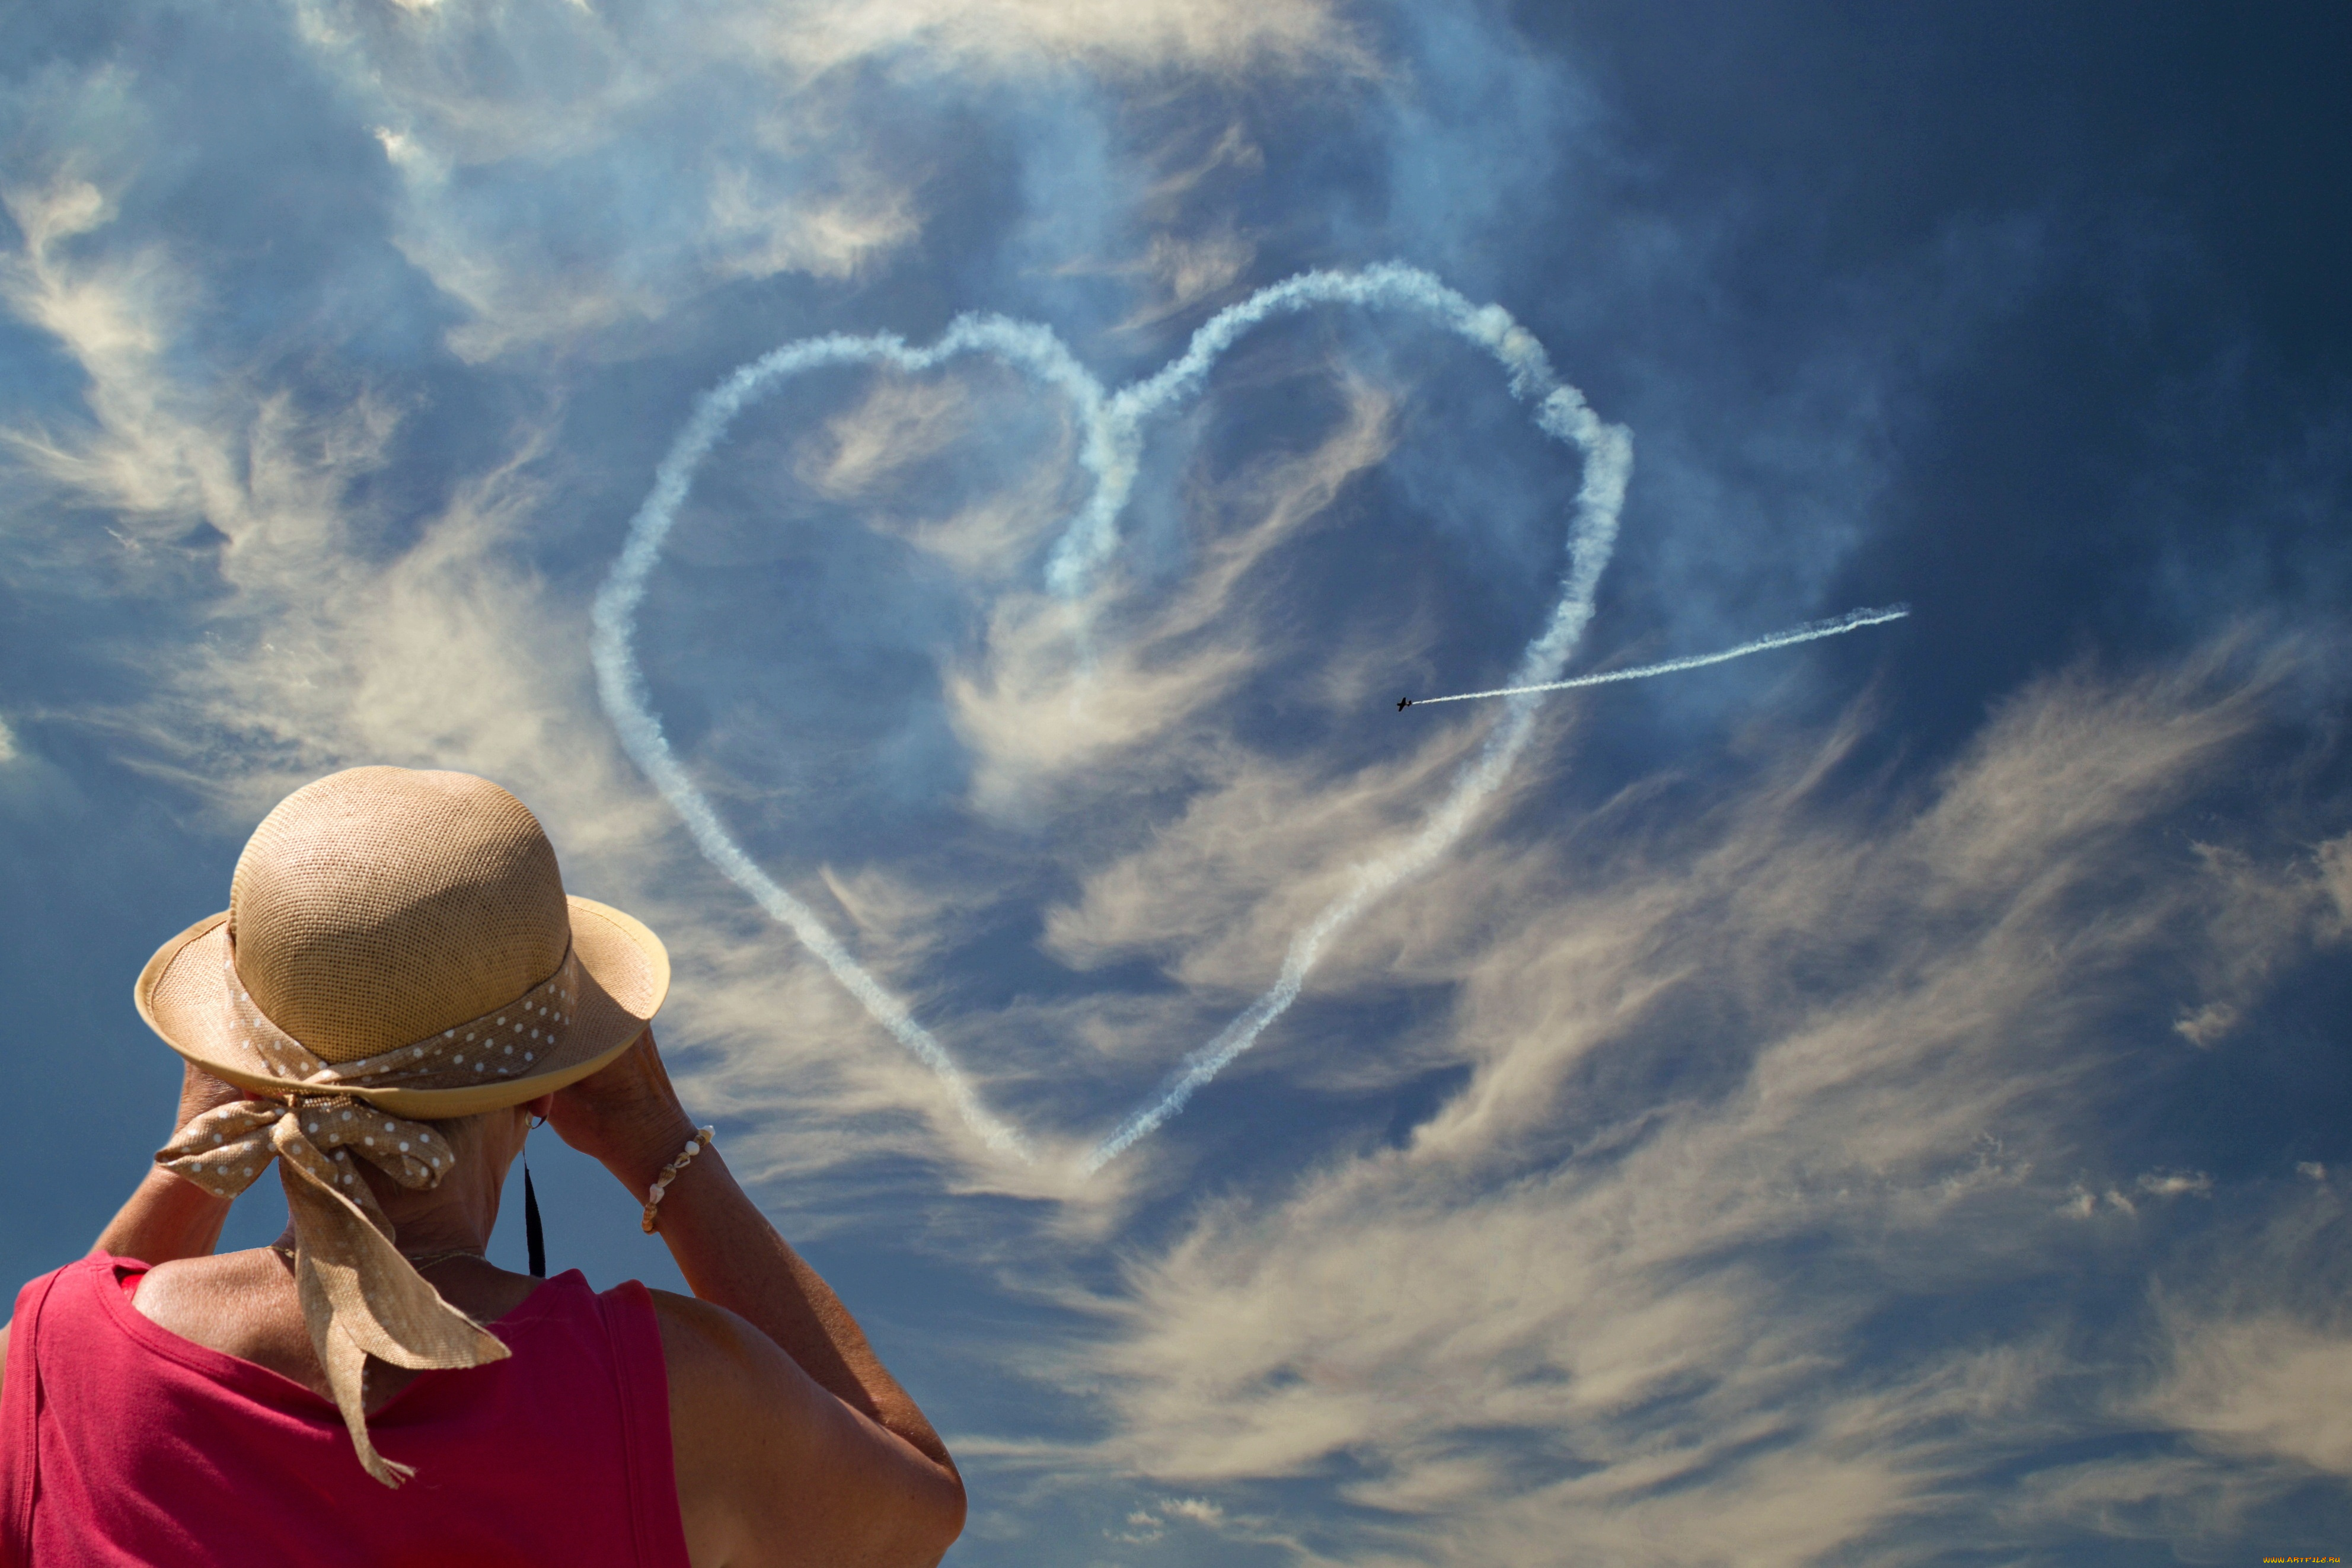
1403 703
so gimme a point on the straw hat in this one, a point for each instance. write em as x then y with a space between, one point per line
403 937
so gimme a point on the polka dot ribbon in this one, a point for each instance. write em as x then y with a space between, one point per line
360 1296
510 1041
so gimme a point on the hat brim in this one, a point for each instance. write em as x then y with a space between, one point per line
625 977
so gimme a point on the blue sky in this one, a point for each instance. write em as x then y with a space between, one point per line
1879 1101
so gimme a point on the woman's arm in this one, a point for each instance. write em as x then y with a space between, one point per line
881 1484
629 1117
167 1217
170 1217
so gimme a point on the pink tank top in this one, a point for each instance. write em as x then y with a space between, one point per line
121 1443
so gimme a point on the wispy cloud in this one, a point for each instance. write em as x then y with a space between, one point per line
115 310
1573 1307
2271 1387
1152 35
567 169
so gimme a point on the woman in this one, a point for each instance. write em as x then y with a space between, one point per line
398 990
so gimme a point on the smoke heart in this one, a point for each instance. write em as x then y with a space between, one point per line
1112 426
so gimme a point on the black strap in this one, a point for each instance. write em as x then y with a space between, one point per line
532 1234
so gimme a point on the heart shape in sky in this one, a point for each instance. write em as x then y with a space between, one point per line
1112 426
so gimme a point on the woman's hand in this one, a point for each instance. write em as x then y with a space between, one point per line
200 1091
168 1216
624 1114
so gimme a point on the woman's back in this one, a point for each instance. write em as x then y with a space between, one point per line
146 1447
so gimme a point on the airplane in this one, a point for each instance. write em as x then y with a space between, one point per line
1403 703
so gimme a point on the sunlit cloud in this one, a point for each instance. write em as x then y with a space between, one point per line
559 177
1563 1314
1151 35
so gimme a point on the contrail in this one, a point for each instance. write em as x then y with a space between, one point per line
1811 630
1561 413
1110 451
621 684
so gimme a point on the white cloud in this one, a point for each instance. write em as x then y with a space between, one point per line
1891 1038
1017 35
1199 1509
2176 1183
486 112
2186 1502
2269 1386
113 310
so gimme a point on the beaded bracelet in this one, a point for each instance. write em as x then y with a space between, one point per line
694 1146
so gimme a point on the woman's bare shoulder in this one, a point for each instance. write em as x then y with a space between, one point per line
206 1287
241 1303
695 1328
709 1352
773 1472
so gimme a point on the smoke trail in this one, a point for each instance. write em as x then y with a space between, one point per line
1476 782
621 684
1811 630
1561 413
1110 451
1092 537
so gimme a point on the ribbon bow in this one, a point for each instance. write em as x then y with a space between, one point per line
360 1296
